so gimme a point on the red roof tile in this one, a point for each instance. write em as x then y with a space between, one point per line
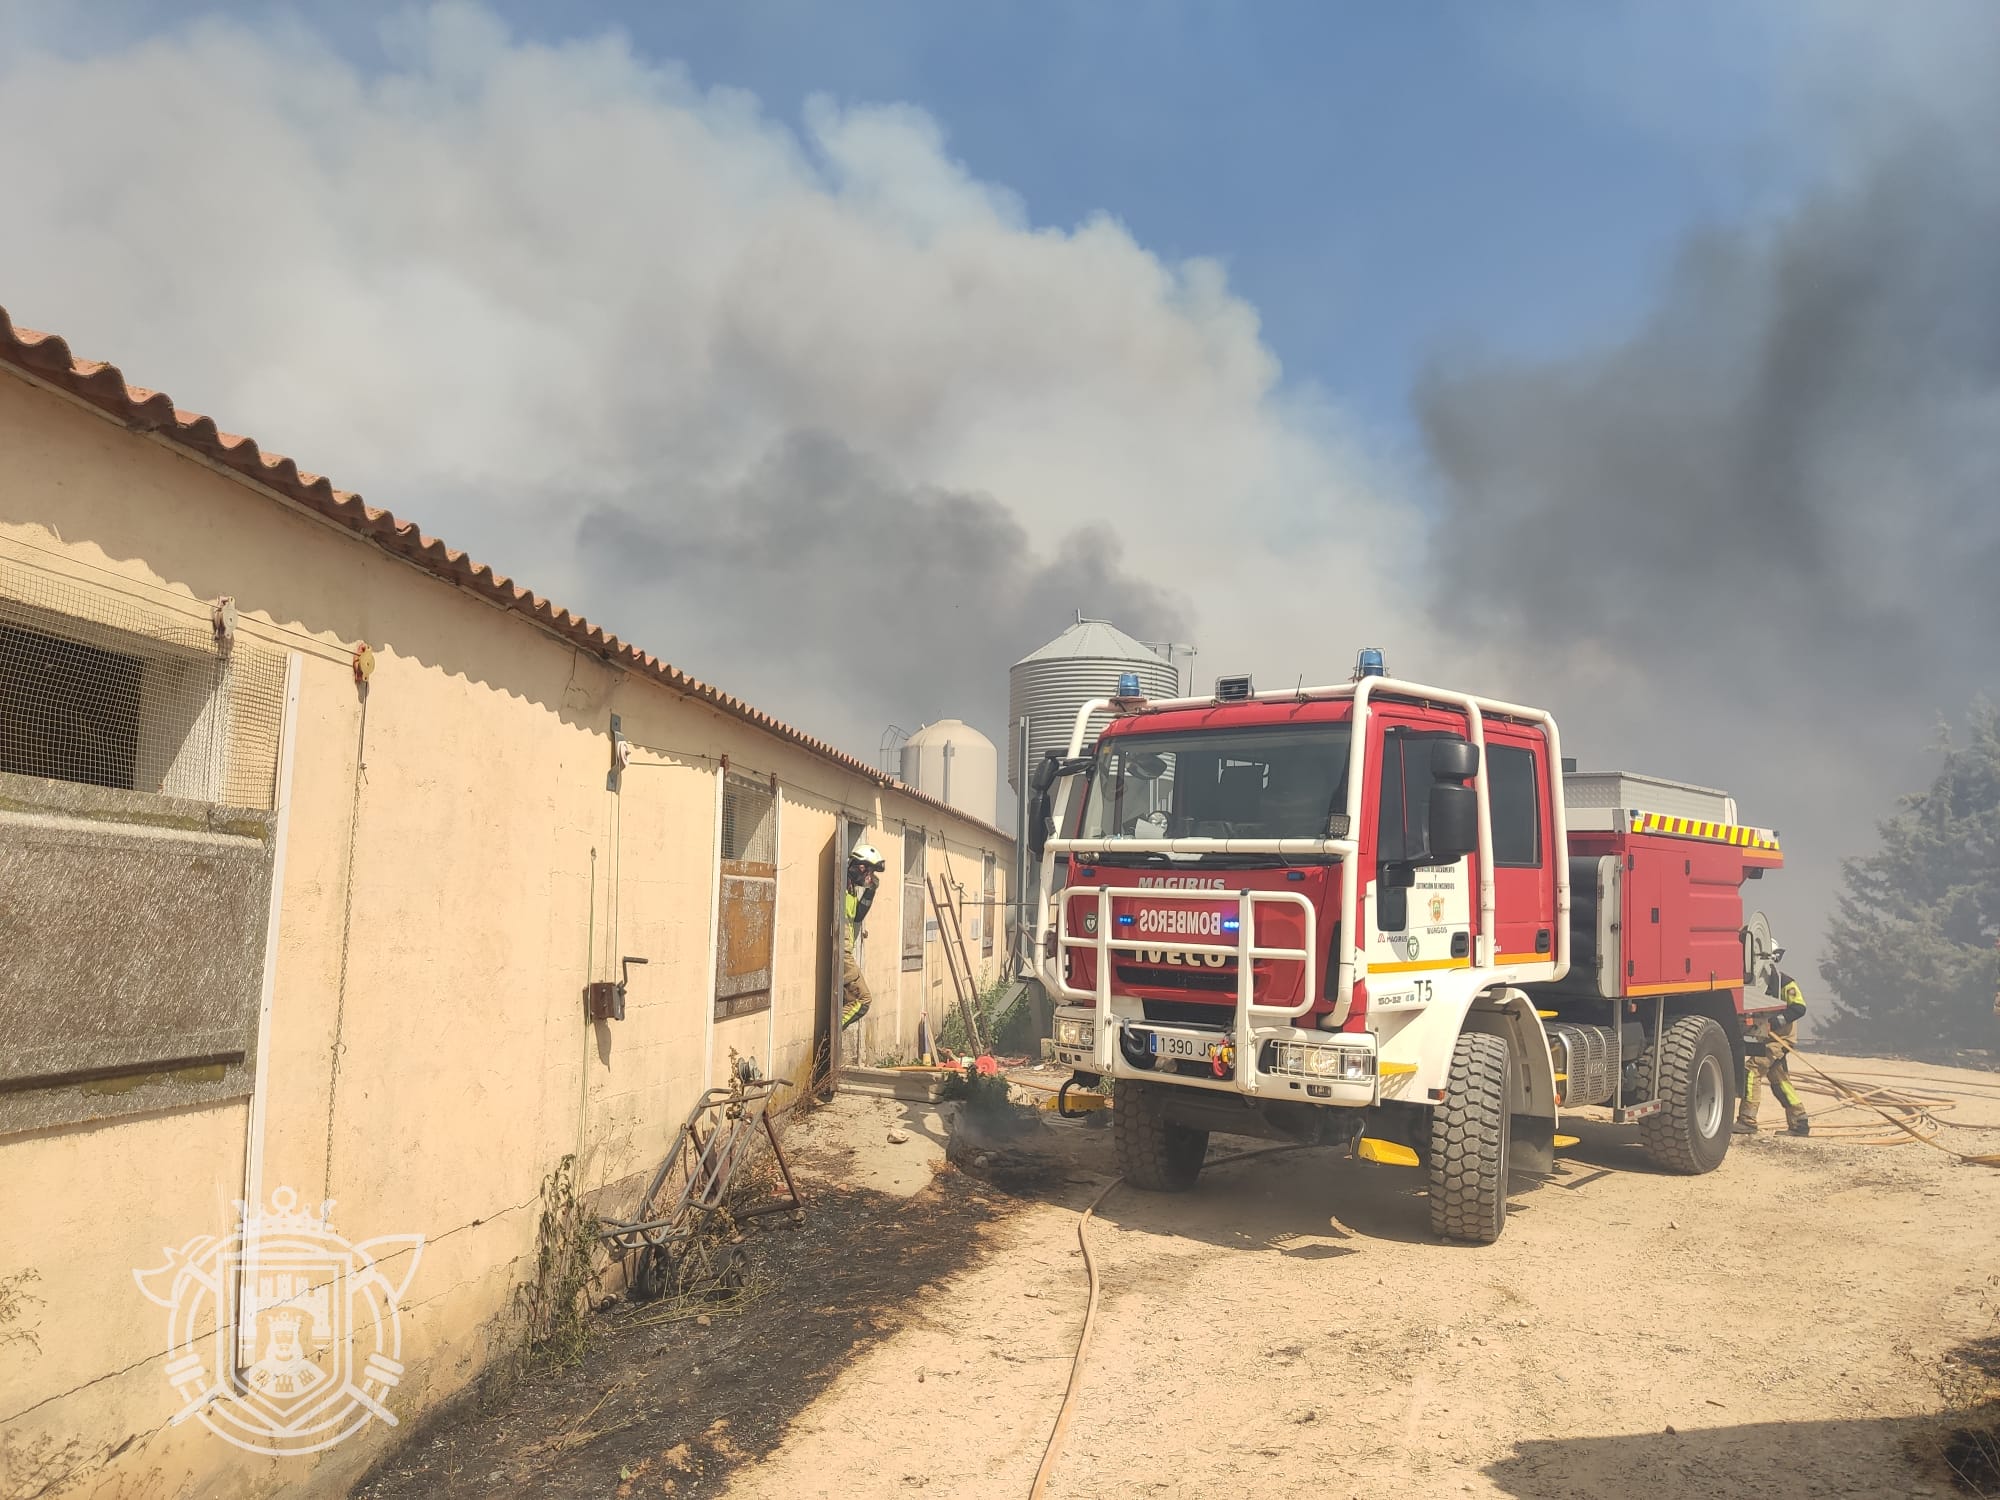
47 356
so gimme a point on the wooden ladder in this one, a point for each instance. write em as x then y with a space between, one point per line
963 983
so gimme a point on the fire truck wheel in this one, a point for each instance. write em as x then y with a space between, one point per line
1153 1152
1469 1140
1690 1134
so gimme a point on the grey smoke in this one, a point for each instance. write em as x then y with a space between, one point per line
496 285
824 588
503 284
1757 543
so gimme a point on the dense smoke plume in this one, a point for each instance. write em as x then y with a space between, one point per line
815 413
1757 544
574 314
874 591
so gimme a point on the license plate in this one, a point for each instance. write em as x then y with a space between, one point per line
1175 1048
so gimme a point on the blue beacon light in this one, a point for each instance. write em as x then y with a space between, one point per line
1369 663
1128 684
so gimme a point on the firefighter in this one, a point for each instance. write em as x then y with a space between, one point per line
864 876
1765 1058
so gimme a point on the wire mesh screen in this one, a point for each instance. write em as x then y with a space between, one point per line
914 898
989 901
108 691
749 834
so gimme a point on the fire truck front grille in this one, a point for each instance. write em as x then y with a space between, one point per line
1185 1012
1208 981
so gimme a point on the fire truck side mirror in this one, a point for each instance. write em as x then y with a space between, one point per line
1046 770
1454 760
1040 815
1454 820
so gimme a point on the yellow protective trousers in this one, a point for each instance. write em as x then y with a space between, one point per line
1780 1076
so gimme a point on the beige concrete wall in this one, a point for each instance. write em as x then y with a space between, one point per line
456 871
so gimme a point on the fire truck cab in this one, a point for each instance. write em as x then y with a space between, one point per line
1361 914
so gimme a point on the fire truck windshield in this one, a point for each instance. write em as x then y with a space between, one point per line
1279 783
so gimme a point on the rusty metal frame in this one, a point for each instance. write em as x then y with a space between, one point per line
717 1138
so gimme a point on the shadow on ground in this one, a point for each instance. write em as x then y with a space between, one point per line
1322 1192
1254 1193
1868 1457
1954 1453
1251 1195
662 1404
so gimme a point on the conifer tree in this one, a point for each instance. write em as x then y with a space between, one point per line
1911 956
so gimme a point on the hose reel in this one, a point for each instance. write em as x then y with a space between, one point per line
1760 958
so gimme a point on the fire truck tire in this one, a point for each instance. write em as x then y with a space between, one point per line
1469 1141
1153 1152
1690 1134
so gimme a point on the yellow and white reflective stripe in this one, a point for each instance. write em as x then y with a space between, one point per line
1695 828
1421 966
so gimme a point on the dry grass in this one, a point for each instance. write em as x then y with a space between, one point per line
1966 1437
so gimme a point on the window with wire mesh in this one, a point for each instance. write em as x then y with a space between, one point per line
106 690
915 898
746 897
749 834
142 917
989 900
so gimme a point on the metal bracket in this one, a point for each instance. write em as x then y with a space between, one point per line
1636 1112
222 621
604 999
621 756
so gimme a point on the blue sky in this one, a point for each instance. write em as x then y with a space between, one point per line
1385 183
652 348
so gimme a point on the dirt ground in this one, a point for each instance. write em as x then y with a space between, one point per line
1780 1327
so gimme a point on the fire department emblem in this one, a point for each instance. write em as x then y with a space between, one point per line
1090 924
1413 945
265 1326
1437 908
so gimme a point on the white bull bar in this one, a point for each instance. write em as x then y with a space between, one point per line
1246 950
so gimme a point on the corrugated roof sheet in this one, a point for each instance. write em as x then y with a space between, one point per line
47 357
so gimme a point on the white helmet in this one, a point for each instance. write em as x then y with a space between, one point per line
869 855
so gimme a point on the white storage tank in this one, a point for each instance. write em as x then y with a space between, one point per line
955 763
1084 662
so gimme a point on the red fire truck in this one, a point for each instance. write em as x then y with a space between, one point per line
1391 916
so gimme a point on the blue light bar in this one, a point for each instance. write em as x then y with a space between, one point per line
1232 924
1128 684
1369 663
1127 919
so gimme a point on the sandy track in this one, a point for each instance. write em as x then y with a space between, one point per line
1290 1328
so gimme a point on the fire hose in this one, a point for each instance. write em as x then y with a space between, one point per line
1915 1115
1896 1106
1053 1449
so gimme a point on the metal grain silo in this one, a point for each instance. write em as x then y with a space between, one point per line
955 763
1048 686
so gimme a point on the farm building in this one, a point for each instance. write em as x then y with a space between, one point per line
313 833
